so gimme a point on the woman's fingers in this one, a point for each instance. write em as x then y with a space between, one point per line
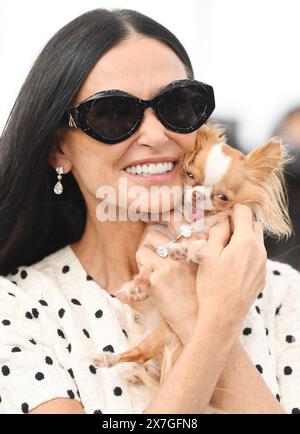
242 221
146 254
174 226
218 237
258 231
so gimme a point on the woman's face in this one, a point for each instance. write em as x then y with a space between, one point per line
140 66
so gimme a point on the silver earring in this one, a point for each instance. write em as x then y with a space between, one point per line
58 188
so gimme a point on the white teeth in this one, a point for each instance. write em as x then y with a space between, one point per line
145 169
151 169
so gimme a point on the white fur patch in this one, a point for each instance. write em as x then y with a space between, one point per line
217 164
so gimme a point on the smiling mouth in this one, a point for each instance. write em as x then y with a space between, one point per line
151 169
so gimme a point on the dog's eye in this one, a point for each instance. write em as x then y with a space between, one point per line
222 197
190 175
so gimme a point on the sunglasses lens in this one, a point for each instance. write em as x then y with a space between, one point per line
113 117
184 107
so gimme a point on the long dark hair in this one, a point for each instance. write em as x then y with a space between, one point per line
35 222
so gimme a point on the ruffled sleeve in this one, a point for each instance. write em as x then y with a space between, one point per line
30 372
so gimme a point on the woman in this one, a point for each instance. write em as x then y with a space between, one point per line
62 265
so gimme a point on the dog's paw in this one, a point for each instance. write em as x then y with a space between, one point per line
178 251
105 360
131 292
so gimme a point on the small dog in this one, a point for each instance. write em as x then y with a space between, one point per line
219 177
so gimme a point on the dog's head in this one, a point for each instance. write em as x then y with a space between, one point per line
217 176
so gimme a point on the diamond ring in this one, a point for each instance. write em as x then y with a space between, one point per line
185 231
162 251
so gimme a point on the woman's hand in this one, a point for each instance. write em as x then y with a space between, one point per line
231 274
173 283
222 289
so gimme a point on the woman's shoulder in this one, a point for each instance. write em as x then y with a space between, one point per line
281 275
41 278
282 285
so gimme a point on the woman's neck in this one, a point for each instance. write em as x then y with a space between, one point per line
107 251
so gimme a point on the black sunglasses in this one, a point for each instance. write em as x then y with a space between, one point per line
112 116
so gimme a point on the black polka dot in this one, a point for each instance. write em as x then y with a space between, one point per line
28 315
71 373
35 313
99 313
109 348
277 311
86 333
61 333
24 407
247 331
290 339
16 350
48 360
287 370
296 410
24 274
39 376
118 391
69 348
92 369
61 312
32 341
43 302
125 333
257 309
88 277
259 368
14 282
11 294
97 412
278 397
65 269
71 394
75 301
15 271
5 370
112 295
267 331
276 272
6 322
260 295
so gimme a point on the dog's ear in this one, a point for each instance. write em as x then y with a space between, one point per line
265 159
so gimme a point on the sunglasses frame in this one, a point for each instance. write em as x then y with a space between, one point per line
76 116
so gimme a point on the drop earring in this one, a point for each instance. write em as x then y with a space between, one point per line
58 188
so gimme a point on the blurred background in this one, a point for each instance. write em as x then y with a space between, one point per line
248 50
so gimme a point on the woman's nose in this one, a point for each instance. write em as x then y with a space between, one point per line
151 131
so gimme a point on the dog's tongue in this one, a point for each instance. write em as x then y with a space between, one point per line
197 213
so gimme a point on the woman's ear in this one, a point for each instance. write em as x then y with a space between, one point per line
262 161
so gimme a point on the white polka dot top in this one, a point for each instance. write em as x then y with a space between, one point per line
54 318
